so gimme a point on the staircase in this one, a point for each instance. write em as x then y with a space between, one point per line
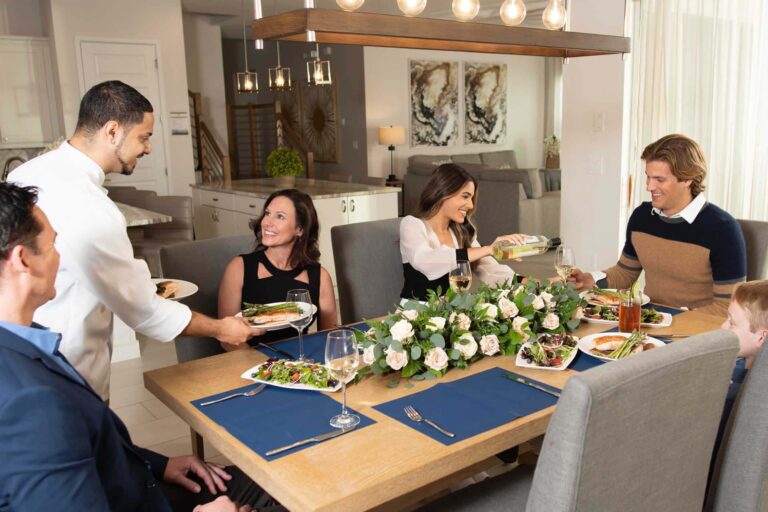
209 159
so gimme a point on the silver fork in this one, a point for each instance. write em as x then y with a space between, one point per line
252 392
414 415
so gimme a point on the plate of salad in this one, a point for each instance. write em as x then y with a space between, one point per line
617 345
548 352
608 296
609 315
275 315
286 373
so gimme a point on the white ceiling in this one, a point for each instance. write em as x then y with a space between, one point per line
230 11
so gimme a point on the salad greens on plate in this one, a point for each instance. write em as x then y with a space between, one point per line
288 373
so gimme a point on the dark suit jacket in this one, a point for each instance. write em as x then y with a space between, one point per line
61 447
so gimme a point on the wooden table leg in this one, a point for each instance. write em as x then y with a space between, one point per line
198 447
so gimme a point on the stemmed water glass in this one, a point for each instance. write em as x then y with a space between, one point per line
304 301
341 358
460 278
565 262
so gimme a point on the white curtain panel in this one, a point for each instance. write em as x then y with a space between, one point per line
700 67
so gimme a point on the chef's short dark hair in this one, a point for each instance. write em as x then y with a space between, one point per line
111 101
18 225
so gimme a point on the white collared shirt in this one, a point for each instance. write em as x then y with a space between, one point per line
98 274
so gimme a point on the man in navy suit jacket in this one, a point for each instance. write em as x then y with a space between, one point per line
62 448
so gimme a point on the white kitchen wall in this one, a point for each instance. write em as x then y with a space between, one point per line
387 102
157 21
205 71
593 195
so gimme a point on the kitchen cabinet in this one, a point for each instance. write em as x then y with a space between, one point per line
29 116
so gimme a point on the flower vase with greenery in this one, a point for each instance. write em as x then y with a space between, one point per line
284 161
552 152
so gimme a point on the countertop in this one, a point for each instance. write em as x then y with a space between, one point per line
317 189
135 216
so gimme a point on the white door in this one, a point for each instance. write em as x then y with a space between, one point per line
136 65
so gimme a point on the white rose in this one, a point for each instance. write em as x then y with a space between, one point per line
463 322
547 297
436 323
368 355
410 314
436 359
489 311
538 303
370 334
402 330
508 308
452 317
504 293
489 344
466 345
551 321
579 313
396 359
517 326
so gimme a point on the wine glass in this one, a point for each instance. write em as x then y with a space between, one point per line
304 301
460 277
564 262
341 358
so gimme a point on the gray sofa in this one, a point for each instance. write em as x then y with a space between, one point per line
511 200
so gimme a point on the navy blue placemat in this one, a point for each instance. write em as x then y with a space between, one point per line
471 405
584 361
666 309
314 344
276 417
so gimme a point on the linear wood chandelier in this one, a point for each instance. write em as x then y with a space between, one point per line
369 29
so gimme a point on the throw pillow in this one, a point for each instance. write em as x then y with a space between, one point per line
505 166
437 163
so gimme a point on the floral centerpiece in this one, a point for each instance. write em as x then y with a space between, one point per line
424 340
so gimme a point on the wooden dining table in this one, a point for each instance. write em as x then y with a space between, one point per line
384 466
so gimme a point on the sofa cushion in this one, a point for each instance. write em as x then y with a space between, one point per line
499 159
469 158
529 178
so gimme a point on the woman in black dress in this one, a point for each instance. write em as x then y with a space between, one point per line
286 258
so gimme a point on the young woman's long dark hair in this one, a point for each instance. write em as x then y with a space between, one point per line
446 181
305 250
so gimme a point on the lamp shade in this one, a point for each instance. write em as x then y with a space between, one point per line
391 135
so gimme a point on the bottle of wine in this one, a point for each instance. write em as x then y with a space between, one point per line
537 244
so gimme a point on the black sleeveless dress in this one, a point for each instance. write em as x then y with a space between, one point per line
275 288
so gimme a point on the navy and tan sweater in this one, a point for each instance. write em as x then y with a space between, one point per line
694 265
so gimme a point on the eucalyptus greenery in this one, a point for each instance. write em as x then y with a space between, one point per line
284 161
424 340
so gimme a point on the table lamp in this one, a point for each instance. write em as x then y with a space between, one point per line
392 136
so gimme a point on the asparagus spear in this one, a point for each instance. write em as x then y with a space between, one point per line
258 309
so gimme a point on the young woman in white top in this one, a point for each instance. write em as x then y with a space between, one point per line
442 233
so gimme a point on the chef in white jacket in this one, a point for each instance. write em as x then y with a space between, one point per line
98 275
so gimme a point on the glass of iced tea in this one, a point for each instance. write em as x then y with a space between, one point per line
629 312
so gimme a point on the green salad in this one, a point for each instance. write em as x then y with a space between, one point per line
611 313
549 350
285 371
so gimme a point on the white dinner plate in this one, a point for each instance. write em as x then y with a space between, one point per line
523 363
587 343
666 321
247 375
184 288
274 326
587 295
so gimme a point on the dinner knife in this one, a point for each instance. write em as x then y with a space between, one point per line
531 384
316 439
276 350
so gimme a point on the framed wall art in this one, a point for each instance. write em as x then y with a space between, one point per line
434 103
485 103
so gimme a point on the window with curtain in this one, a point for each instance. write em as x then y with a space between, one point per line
700 67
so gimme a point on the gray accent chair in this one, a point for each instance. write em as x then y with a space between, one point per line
756 239
179 229
740 481
202 262
369 268
631 435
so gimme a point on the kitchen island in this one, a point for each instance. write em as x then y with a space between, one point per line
226 209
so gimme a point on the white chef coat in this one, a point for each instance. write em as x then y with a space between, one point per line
98 274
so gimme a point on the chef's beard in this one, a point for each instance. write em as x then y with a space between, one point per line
126 169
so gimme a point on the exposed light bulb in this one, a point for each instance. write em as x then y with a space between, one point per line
248 85
411 7
318 75
279 81
465 10
512 12
350 5
554 15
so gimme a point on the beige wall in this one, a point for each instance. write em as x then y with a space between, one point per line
153 21
387 102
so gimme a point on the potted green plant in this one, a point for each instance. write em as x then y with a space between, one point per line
552 152
284 161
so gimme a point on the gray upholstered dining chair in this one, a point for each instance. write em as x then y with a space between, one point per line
756 239
740 480
202 262
369 268
631 435
179 229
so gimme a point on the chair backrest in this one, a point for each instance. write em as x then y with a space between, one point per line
369 268
178 207
131 196
740 482
337 176
637 434
756 239
202 262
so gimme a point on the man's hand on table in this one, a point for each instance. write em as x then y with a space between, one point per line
212 475
222 504
581 280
